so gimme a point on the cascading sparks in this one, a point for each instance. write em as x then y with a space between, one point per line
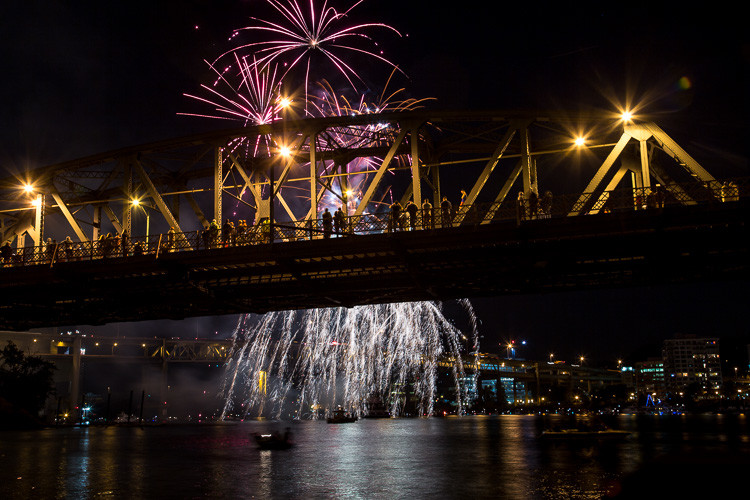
293 363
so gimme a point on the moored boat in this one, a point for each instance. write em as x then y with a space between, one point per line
340 416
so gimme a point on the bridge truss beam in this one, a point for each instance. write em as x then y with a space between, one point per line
360 163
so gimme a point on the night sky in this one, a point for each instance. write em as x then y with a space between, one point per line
88 77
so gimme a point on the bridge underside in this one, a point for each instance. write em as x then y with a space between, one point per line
671 245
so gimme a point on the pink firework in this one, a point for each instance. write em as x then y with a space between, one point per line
299 34
247 94
253 95
327 103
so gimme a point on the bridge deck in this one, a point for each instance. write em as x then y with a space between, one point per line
673 244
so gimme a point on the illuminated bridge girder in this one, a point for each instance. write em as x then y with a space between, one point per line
360 163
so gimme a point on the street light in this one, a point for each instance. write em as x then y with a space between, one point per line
38 204
137 203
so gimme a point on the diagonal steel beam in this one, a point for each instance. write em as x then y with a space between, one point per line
490 166
198 212
624 169
671 186
672 148
161 205
286 207
113 218
249 184
599 176
503 192
379 175
66 212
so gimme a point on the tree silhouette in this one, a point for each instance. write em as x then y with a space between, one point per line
25 381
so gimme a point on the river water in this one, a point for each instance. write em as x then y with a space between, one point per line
470 457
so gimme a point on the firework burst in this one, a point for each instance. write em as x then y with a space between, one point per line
301 33
326 103
253 97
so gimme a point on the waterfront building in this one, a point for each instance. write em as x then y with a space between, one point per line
648 377
506 378
692 365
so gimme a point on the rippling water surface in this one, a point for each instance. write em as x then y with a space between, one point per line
471 457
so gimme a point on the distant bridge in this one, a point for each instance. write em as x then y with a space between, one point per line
672 222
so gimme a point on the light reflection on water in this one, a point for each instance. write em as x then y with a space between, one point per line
472 457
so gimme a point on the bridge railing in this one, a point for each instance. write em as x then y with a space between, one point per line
522 210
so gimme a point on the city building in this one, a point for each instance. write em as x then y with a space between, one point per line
649 379
692 366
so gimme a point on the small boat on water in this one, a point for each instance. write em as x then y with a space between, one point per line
274 441
340 416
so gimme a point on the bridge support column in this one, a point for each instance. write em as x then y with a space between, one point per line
528 165
415 176
645 174
313 179
38 234
218 185
75 377
127 206
96 223
642 135
39 218
637 181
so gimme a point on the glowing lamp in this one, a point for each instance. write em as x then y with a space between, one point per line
580 141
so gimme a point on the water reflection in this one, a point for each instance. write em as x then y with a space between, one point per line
78 465
477 457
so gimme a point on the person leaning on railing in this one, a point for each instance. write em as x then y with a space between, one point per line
445 211
412 209
427 220
6 253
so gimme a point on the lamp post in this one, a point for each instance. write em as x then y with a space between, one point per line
38 204
137 203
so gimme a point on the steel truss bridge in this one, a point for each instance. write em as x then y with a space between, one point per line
645 212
